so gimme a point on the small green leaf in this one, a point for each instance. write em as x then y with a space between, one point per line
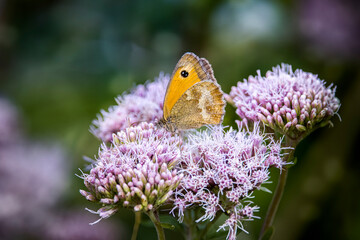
168 226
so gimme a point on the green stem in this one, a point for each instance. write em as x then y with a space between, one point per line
271 212
189 224
136 225
270 215
154 217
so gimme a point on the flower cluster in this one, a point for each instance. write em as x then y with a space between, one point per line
24 165
213 172
221 170
292 103
137 171
33 177
143 104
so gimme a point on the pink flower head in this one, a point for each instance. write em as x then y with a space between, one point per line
292 103
222 169
136 171
143 104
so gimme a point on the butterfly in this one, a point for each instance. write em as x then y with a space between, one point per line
193 97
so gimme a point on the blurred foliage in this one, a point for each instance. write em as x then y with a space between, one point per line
62 61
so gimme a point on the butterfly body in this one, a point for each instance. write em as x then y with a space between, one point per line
193 98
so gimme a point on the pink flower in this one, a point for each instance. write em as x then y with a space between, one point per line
136 171
292 103
221 170
32 180
143 104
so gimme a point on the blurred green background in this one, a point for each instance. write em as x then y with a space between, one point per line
62 61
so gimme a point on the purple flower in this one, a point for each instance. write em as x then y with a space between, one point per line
143 104
222 169
136 171
292 103
32 179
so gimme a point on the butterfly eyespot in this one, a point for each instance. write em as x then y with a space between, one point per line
184 73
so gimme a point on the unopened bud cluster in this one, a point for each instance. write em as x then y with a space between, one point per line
293 103
136 171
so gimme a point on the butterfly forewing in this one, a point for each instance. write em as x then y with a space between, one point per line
193 98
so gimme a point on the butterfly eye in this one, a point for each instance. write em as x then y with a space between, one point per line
184 73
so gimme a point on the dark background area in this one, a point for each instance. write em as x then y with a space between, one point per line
62 61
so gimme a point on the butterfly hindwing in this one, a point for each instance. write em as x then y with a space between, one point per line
201 104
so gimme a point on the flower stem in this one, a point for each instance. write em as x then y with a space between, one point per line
136 225
270 215
154 217
189 221
271 212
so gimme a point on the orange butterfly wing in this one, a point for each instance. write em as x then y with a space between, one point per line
198 69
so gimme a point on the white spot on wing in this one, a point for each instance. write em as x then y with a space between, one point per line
205 97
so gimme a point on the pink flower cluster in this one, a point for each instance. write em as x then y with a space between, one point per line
293 103
213 171
221 169
143 104
137 171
